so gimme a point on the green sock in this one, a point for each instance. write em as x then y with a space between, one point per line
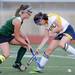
20 54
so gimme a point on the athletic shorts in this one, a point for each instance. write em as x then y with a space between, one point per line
6 38
69 31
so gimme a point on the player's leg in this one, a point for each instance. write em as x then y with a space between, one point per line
45 57
5 51
21 52
69 35
65 44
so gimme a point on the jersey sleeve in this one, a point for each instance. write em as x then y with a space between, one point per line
18 18
51 20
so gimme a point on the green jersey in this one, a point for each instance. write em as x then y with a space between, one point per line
7 28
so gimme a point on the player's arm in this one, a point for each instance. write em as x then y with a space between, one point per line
17 26
55 28
45 39
58 27
26 37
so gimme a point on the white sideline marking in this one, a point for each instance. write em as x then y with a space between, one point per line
55 56
66 66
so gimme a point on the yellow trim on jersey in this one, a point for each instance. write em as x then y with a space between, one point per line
2 58
68 36
57 17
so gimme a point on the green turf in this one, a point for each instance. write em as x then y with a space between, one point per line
55 66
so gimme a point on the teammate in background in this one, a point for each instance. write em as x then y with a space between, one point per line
10 33
57 28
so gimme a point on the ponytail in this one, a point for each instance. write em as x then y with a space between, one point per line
22 7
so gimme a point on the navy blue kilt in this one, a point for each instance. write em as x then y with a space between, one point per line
69 31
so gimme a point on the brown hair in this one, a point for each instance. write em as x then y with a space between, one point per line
40 16
22 7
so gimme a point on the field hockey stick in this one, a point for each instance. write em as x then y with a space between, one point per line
31 59
34 56
29 62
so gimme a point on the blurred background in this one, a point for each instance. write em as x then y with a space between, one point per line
65 8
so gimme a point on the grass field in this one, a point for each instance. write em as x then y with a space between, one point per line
58 64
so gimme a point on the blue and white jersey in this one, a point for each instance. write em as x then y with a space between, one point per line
62 22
